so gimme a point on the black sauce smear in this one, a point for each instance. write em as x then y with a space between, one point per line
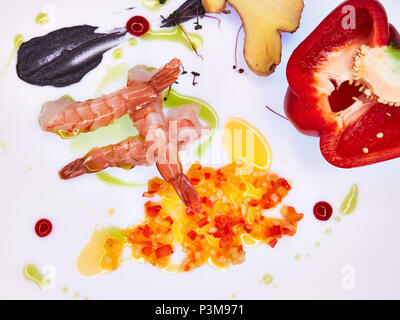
191 9
64 56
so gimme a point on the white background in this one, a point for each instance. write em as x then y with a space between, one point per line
367 240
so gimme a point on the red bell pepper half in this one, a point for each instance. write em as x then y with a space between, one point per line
344 85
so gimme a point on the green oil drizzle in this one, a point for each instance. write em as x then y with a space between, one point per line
153 5
114 73
175 35
42 18
109 179
117 53
349 203
18 40
32 273
207 114
113 133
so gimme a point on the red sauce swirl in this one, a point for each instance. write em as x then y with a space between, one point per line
43 228
322 210
137 26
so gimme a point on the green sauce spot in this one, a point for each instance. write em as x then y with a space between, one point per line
115 232
109 179
118 53
66 96
349 204
114 73
267 278
64 290
152 5
297 257
132 42
207 114
32 273
175 35
317 244
337 219
116 132
42 18
328 231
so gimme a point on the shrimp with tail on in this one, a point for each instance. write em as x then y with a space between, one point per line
152 125
64 116
142 99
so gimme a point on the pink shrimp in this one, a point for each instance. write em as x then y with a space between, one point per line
152 125
132 152
66 116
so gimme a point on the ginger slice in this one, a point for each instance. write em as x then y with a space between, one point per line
263 20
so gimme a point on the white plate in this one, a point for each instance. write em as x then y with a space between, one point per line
363 245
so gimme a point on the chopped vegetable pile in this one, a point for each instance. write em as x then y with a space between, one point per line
233 203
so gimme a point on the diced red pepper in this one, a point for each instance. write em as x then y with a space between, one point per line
192 234
169 219
282 182
253 203
164 251
206 201
267 203
147 251
194 181
151 209
272 243
147 231
274 231
203 222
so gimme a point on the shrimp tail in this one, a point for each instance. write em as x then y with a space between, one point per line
74 169
187 192
166 76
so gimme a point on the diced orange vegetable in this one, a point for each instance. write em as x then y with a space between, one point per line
215 233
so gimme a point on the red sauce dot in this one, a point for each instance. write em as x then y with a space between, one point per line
322 210
137 26
43 228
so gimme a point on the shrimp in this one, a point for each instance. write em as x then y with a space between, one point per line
132 151
126 154
152 125
189 127
66 116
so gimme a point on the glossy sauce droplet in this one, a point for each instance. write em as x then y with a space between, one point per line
137 26
43 228
322 210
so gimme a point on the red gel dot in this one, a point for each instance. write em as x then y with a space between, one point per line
322 210
137 26
43 228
